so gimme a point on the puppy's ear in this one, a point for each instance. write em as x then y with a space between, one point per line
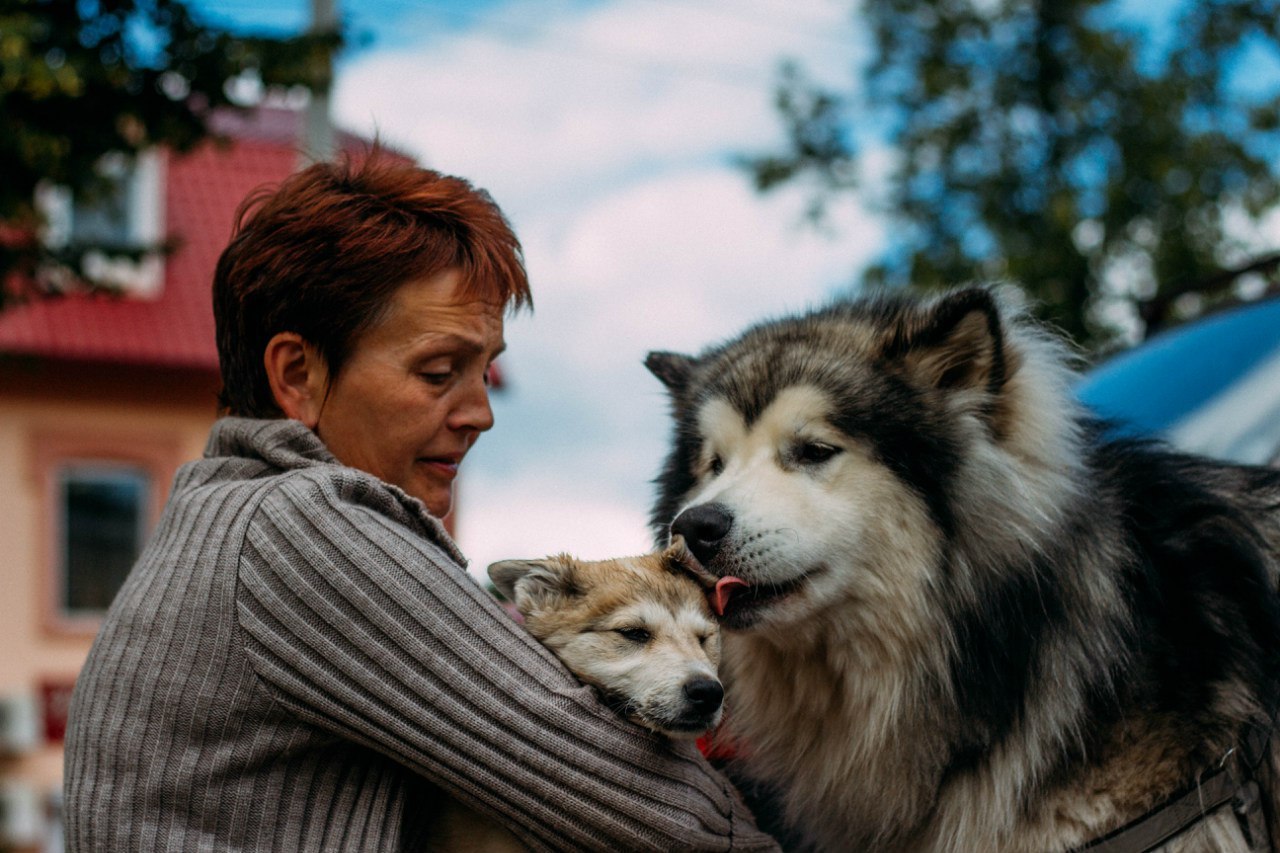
534 584
671 368
680 560
958 345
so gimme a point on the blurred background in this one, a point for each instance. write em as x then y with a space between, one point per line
676 169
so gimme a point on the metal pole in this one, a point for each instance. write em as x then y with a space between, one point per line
318 143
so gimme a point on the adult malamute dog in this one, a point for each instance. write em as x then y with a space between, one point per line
958 617
638 629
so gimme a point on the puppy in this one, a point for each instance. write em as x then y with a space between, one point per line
637 629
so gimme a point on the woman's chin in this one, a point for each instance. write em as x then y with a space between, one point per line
437 500
433 488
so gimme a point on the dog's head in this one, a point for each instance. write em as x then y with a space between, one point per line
832 457
638 629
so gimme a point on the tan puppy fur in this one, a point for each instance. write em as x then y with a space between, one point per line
638 629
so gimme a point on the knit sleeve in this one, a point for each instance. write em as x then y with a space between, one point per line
364 627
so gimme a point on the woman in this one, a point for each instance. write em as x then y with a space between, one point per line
299 660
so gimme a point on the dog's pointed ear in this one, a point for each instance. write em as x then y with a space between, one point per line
534 584
671 368
960 343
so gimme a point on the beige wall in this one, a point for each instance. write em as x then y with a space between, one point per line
165 417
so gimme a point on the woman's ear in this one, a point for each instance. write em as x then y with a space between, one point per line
298 377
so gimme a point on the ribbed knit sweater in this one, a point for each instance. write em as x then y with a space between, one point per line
299 661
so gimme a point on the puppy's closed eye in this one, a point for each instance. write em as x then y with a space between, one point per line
635 635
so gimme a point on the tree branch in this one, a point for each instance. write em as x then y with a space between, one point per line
1155 311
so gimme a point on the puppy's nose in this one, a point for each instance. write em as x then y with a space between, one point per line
704 694
703 527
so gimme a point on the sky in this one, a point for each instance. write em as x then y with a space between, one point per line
607 131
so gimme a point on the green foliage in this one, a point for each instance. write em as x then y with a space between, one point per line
82 78
1037 142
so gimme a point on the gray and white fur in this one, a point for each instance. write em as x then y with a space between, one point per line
960 616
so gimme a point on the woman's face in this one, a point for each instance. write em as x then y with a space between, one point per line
413 395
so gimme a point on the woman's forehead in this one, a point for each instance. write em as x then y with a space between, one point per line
436 308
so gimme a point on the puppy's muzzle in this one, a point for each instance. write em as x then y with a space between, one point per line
704 695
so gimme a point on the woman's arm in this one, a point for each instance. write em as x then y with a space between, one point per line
365 627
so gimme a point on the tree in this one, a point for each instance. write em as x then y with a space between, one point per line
1046 144
80 79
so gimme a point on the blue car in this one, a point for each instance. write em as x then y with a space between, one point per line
1211 386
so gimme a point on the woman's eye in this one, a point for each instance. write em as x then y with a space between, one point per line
635 635
815 452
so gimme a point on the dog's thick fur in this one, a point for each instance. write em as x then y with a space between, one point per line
638 629
965 619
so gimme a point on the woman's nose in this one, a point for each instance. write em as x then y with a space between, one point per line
473 410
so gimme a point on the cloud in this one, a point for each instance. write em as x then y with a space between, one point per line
683 258
543 98
528 520
607 133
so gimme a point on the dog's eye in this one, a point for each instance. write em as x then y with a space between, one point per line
716 466
636 635
815 452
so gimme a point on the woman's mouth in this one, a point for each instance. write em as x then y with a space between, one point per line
445 466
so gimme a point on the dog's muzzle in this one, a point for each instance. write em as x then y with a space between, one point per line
704 528
700 708
704 695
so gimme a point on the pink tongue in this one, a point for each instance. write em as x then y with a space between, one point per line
724 591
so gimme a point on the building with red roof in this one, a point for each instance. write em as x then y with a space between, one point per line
172 329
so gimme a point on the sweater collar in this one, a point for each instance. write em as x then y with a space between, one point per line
282 442
287 445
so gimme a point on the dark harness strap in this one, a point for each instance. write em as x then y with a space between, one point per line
1232 782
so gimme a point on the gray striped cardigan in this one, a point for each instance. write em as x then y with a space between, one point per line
299 662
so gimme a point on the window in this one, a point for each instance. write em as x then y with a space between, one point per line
100 494
103 522
124 212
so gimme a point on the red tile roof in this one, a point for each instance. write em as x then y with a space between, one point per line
175 329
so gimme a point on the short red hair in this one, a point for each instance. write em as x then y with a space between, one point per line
322 254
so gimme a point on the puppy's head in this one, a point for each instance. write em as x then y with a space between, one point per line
638 629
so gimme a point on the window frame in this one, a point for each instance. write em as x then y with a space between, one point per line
140 189
92 471
156 454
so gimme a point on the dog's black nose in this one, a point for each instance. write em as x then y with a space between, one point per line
704 694
703 527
